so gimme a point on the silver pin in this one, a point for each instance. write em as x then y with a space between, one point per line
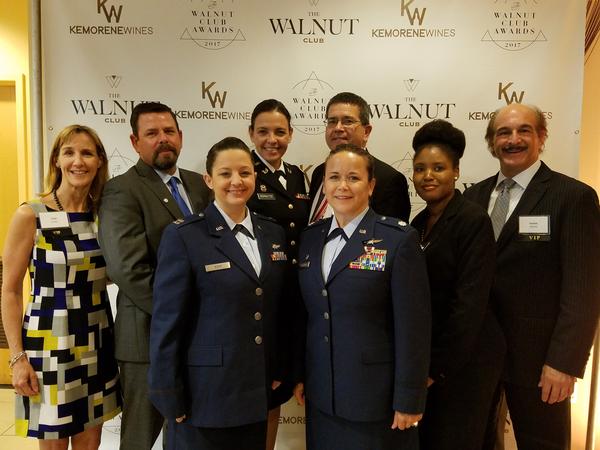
166 200
219 228
362 231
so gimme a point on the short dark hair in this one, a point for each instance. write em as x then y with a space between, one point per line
228 143
364 113
541 124
351 148
270 105
145 108
442 134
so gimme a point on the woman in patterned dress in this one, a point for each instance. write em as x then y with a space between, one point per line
62 353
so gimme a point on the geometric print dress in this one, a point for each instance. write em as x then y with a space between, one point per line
68 332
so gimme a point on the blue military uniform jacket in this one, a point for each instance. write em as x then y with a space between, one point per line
213 337
368 325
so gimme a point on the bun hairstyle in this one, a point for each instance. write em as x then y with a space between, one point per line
442 134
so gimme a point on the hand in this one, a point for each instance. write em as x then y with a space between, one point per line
556 385
404 421
430 381
24 379
275 384
180 419
299 393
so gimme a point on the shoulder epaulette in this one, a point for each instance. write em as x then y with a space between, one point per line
393 222
189 219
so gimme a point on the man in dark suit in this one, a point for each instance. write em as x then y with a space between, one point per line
545 291
348 123
135 209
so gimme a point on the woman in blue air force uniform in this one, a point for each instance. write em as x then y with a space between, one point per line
364 285
214 361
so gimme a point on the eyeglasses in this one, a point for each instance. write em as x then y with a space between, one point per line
347 122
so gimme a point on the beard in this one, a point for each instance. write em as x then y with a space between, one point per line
162 162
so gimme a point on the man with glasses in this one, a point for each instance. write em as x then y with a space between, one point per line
348 123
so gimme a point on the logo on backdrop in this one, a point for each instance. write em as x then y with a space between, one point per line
506 92
312 28
118 164
307 102
514 25
412 15
213 100
110 13
412 111
213 25
110 108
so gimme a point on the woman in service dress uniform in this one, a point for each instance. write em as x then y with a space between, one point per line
367 330
467 343
214 353
281 194
64 371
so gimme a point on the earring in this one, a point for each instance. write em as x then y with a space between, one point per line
455 178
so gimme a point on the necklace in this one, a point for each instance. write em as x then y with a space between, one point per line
423 244
57 201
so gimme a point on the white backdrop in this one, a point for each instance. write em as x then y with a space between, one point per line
212 61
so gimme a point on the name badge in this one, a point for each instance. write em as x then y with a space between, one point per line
58 219
265 196
534 228
219 266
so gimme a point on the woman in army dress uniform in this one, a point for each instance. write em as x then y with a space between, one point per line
281 194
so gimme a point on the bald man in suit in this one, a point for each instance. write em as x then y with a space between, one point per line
545 292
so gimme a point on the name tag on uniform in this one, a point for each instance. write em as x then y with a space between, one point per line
58 219
219 266
265 196
534 228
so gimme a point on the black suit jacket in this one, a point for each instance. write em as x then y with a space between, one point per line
135 209
460 253
367 331
390 196
213 342
288 206
545 292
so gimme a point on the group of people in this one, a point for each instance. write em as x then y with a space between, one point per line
239 289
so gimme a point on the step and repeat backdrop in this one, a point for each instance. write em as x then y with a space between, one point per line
413 61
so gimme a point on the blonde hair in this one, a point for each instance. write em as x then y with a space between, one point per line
54 175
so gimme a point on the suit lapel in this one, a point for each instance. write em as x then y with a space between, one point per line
531 197
155 185
265 248
354 247
228 244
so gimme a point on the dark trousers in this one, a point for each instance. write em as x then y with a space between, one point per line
537 425
184 436
326 432
141 422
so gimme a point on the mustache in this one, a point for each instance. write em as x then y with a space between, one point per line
513 147
166 147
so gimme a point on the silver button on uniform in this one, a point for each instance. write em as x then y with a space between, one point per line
324 292
326 315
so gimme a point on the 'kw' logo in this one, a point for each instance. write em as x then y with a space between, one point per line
215 96
416 13
111 13
512 97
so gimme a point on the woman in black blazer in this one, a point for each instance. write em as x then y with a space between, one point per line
467 344
281 194
215 354
364 285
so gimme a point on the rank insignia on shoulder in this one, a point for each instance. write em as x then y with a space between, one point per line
402 222
219 228
278 256
178 221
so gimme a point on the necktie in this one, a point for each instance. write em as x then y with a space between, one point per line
280 174
178 198
321 207
498 214
335 233
239 228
